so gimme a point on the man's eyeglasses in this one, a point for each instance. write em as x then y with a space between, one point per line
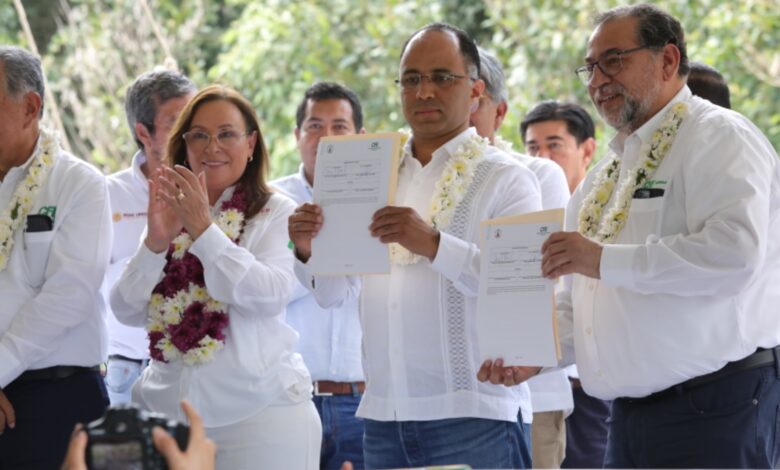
198 141
610 64
411 81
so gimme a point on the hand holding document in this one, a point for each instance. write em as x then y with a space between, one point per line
354 177
516 308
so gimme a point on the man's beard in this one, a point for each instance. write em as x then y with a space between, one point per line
634 112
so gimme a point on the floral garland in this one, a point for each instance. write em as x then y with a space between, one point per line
503 145
606 229
449 191
22 200
184 322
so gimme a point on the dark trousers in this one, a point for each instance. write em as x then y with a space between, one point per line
586 431
731 423
46 412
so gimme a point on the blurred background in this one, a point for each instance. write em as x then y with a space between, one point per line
272 50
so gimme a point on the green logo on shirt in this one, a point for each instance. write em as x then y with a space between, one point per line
653 183
51 211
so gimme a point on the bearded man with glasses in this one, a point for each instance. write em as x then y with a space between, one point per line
423 404
675 259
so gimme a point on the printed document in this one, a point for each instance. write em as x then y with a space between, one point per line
354 177
516 308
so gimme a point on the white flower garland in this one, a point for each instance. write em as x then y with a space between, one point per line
23 198
449 191
606 229
503 145
164 312
230 221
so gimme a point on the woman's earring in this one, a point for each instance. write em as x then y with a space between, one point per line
251 157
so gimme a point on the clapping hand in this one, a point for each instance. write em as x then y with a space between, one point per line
177 199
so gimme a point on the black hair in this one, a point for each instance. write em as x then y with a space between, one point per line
578 121
322 91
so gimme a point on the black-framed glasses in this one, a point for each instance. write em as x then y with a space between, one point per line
610 64
198 141
411 81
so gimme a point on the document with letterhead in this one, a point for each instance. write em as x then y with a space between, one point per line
516 305
354 176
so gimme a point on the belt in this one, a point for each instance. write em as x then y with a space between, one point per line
119 357
761 358
324 388
54 373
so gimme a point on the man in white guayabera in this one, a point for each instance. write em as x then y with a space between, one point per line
423 404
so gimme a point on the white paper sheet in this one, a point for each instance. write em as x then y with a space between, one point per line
516 308
354 177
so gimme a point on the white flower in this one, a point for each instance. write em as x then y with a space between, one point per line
15 214
605 229
448 192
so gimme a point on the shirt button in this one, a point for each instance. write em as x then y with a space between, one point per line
591 287
589 331
394 305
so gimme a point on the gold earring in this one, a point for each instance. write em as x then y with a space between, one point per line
251 157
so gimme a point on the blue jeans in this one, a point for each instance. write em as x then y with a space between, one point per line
480 443
120 377
731 423
342 431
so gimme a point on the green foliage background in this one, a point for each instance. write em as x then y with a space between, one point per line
272 50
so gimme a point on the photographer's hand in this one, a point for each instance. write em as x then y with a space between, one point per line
201 451
74 459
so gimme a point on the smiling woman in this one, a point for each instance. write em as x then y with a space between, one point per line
211 282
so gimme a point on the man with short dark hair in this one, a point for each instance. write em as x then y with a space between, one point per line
708 83
55 236
675 260
423 404
152 104
563 133
329 337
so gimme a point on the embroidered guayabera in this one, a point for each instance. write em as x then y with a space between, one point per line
448 192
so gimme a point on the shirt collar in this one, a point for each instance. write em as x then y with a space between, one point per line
139 159
645 133
446 150
302 175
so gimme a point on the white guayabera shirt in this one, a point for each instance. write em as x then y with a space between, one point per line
691 282
419 333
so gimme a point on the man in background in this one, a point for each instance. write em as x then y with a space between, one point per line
565 134
152 104
550 394
708 83
329 337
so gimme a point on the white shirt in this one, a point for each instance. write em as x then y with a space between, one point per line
550 391
552 180
52 310
330 337
691 282
257 366
420 344
129 193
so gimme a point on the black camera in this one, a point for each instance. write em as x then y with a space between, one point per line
122 439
